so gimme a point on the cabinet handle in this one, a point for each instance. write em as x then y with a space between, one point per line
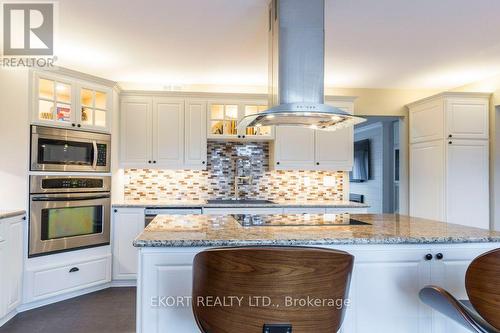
24 218
154 161
79 125
73 125
439 256
239 136
115 210
243 136
149 162
74 269
429 256
450 136
203 162
450 142
278 163
317 163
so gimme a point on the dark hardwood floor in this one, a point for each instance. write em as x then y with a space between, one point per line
110 310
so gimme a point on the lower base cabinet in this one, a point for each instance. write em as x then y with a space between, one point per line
383 292
11 264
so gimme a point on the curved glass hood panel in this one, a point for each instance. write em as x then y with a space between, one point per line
315 116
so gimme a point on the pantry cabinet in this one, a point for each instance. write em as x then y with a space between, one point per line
163 132
12 259
298 148
449 158
65 101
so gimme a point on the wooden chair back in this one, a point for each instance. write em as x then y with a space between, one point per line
482 282
306 288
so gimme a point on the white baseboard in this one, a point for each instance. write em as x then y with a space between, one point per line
124 283
59 298
8 317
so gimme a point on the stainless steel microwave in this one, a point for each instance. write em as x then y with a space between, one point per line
56 149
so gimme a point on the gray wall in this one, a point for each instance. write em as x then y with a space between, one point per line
379 190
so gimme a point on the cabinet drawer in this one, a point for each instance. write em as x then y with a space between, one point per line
242 210
303 210
80 275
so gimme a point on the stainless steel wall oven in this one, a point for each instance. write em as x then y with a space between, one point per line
68 213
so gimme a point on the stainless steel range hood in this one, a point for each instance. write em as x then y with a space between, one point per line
296 70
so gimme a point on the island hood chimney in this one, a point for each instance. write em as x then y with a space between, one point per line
296 70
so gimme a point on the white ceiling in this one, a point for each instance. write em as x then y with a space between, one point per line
369 44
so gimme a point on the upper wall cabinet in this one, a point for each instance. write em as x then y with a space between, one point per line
297 148
163 132
224 115
64 101
450 115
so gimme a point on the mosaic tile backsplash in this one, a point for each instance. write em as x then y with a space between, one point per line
225 160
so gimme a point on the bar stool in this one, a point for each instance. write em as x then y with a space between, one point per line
482 283
271 289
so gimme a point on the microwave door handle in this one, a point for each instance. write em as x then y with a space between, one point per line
94 163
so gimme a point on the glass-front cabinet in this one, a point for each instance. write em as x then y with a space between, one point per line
223 118
66 102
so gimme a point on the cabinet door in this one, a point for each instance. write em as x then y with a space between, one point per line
427 180
166 275
294 148
195 149
335 150
53 100
384 292
128 223
94 105
223 119
15 262
467 118
427 121
467 183
136 132
168 133
449 273
256 133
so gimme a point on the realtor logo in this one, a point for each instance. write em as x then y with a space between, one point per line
28 29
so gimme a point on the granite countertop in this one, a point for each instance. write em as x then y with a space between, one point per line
205 204
224 230
6 213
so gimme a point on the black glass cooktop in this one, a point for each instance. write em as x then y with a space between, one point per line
297 220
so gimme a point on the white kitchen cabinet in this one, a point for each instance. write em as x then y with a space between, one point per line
449 158
449 273
450 115
128 223
297 148
168 133
12 261
383 292
427 180
66 101
162 132
467 118
224 115
467 182
293 148
136 135
195 148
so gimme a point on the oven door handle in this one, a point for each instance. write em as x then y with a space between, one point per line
94 162
75 198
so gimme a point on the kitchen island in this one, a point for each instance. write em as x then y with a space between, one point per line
395 256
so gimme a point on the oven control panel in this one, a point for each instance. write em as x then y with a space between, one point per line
54 183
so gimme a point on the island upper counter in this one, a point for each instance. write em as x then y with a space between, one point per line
305 229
